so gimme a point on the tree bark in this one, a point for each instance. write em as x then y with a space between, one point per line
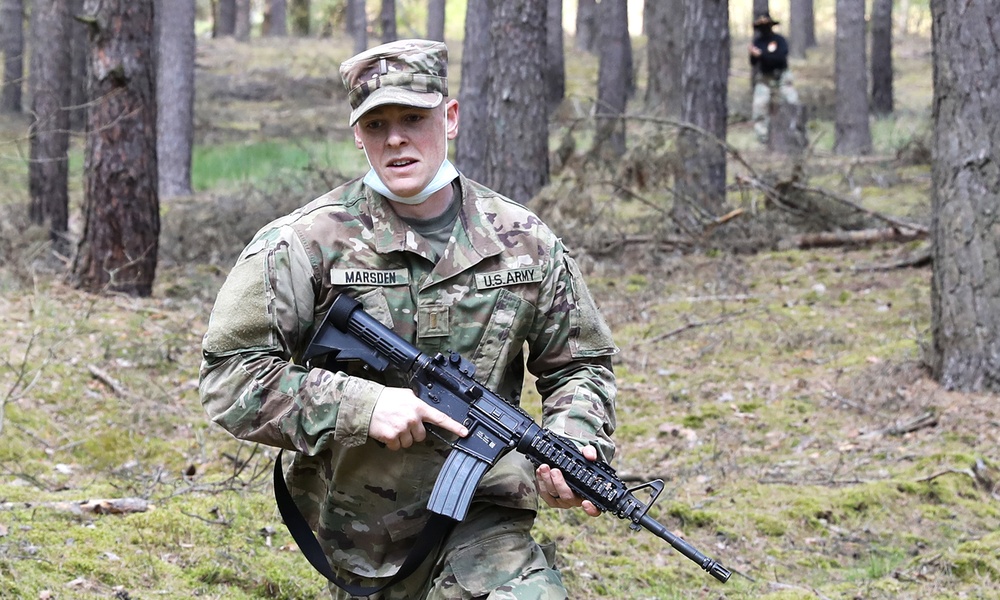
517 132
51 67
586 25
700 182
242 26
555 74
175 98
388 19
664 50
78 75
225 18
276 18
965 285
470 147
798 41
435 19
613 76
881 63
359 12
12 45
852 133
760 6
119 245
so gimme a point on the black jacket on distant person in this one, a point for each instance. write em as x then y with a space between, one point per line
773 57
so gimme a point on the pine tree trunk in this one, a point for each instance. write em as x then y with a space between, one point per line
387 18
435 20
225 18
700 181
360 30
881 63
276 19
556 63
851 128
470 147
78 77
810 23
586 25
12 46
51 68
664 50
965 286
517 132
243 26
798 43
118 249
175 97
612 78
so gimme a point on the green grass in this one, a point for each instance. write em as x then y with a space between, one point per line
230 165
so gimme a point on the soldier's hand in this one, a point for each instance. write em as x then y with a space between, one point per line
754 50
399 417
554 491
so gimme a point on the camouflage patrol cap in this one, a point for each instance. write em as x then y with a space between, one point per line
408 72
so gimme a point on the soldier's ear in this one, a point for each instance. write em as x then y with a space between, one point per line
357 140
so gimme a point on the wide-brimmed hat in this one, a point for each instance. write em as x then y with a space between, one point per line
407 72
763 20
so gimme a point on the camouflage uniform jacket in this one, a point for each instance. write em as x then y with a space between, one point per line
505 285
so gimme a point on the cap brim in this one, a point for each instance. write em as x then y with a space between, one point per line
396 95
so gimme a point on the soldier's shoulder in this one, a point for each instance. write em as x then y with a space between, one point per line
506 214
342 199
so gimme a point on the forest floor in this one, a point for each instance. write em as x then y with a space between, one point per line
779 393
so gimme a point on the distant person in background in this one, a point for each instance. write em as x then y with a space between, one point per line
769 61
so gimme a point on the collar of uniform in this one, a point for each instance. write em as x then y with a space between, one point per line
392 234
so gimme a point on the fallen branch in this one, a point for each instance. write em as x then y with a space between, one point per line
919 259
827 239
897 223
107 506
922 421
102 376
690 325
932 477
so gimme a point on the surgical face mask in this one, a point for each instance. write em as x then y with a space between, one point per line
446 173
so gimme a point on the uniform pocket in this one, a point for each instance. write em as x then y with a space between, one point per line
502 337
482 567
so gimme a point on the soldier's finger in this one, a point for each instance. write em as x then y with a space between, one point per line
429 414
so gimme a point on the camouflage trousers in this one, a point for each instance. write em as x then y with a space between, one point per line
488 556
763 90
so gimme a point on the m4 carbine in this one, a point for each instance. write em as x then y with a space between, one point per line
446 382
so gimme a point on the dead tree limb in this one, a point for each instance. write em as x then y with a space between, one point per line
827 239
106 506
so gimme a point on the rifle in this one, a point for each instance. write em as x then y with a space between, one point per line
495 426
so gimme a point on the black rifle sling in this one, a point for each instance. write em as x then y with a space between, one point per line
434 531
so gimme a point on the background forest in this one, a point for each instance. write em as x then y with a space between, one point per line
774 368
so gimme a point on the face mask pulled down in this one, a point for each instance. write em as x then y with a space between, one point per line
446 173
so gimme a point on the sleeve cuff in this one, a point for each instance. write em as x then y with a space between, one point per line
356 408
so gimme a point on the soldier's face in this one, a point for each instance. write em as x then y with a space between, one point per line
406 145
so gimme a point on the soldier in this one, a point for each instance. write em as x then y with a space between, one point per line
769 62
448 265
